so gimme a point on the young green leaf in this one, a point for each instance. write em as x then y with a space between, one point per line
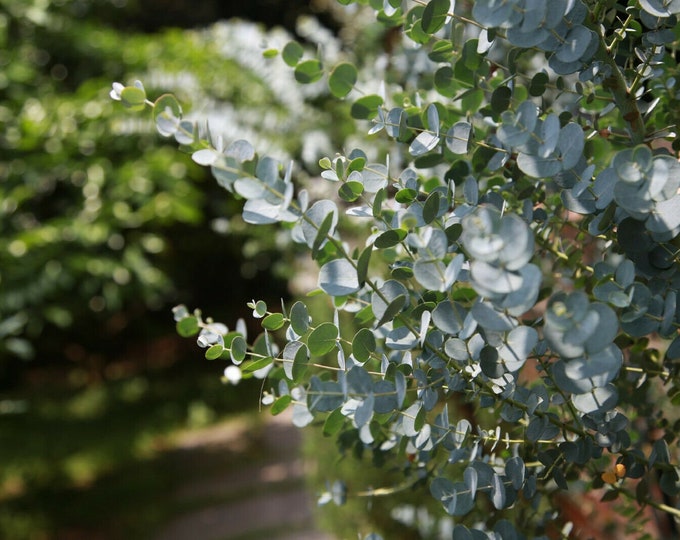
342 79
323 339
292 53
188 326
281 404
308 71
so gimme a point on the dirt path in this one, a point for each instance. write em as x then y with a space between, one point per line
246 485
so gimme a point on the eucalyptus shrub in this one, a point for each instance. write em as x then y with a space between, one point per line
503 280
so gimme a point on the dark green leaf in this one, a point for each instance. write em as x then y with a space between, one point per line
238 349
300 363
610 495
362 265
472 99
392 310
538 84
357 164
434 15
389 238
292 53
333 423
260 309
256 365
516 471
273 321
299 318
281 404
445 82
187 327
214 352
308 71
431 207
500 99
402 272
377 202
453 232
406 196
442 51
490 363
350 191
323 339
342 79
363 344
322 232
366 107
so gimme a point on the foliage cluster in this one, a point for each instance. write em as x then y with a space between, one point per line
94 223
505 325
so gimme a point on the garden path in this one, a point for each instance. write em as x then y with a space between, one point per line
245 484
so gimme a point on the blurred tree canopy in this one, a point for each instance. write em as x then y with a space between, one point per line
95 226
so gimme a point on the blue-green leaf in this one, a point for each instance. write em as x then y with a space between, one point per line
498 494
449 317
324 396
470 477
316 216
359 381
581 375
423 143
492 13
458 137
661 8
571 144
575 44
364 411
490 319
431 274
516 471
338 278
238 350
517 128
390 290
395 122
517 347
167 113
410 421
598 400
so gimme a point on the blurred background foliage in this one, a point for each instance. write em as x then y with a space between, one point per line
104 227
97 227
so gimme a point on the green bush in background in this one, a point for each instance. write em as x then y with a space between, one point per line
97 217
102 227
